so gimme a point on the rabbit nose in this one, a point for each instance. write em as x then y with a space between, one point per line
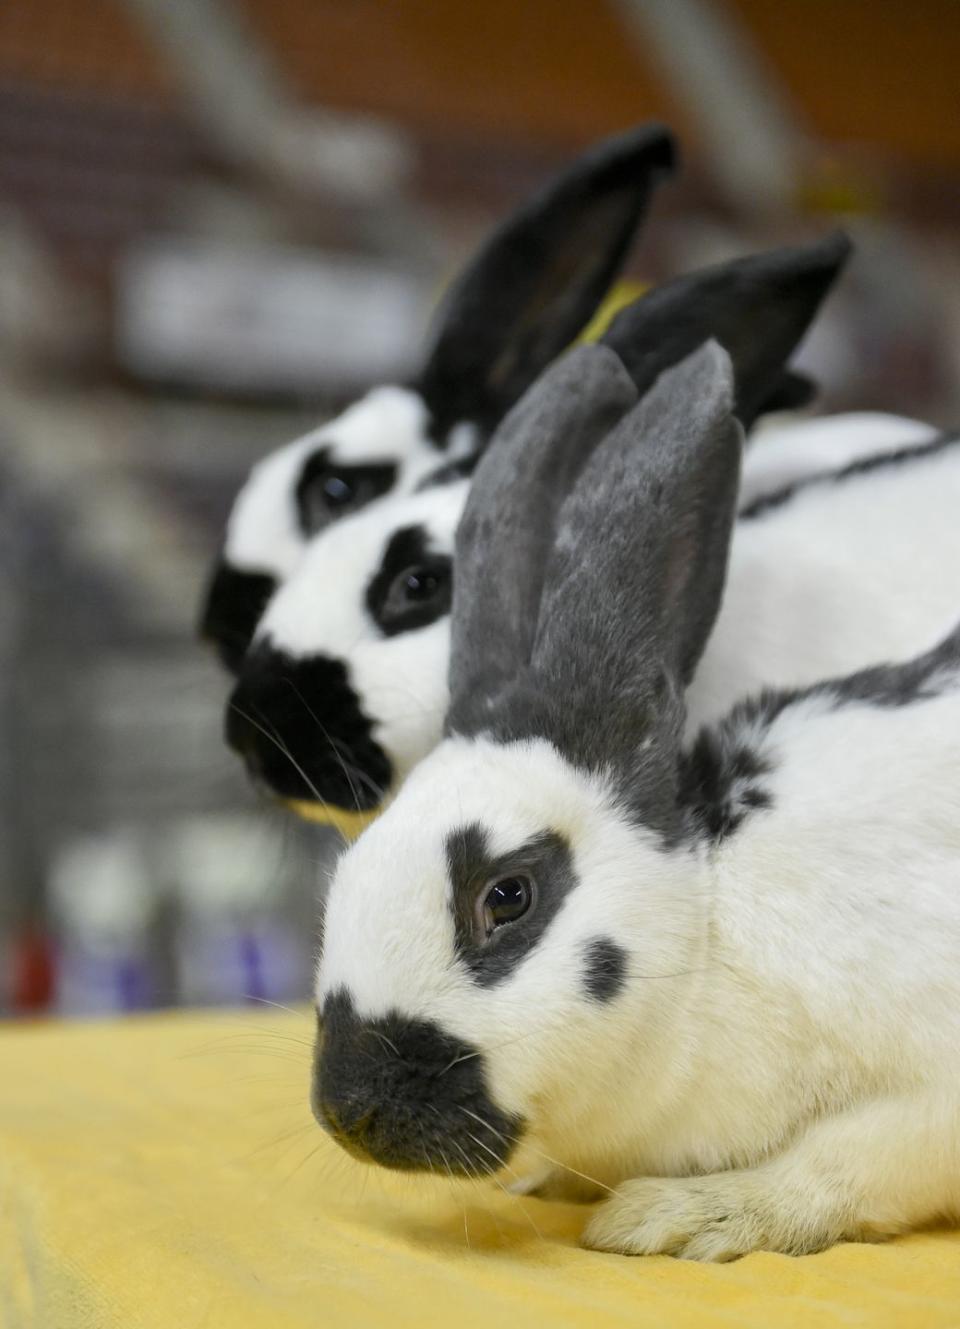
299 727
349 1124
405 1093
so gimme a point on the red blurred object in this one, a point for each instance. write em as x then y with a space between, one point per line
32 973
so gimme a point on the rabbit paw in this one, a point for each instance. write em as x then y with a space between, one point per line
718 1217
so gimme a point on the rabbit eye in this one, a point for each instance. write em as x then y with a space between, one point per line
341 491
418 588
327 490
416 596
413 586
419 584
337 492
505 902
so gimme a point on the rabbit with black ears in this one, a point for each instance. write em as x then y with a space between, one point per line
524 296
344 687
718 981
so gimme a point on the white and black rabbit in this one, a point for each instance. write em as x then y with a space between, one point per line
524 296
344 688
720 980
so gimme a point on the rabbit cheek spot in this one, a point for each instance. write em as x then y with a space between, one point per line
606 969
234 606
299 726
405 1094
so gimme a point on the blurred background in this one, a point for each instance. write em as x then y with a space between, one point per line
219 220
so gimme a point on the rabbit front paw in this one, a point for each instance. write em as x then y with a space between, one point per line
718 1217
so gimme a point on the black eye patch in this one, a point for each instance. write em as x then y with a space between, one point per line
544 861
413 586
328 489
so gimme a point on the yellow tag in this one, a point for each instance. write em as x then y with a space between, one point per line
623 294
349 824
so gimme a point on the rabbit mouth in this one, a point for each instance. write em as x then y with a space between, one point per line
405 1094
301 731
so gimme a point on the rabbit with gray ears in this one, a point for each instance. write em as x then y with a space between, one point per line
718 981
531 288
344 688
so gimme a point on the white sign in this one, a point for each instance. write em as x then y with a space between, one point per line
266 319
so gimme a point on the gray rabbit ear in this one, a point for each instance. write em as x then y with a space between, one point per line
539 279
634 584
639 560
507 529
758 308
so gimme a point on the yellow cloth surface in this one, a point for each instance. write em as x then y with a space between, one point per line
164 1173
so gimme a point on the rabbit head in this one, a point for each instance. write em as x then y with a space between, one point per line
532 287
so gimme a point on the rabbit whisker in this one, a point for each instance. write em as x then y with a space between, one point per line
282 747
333 746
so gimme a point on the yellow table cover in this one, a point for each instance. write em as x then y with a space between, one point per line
164 1173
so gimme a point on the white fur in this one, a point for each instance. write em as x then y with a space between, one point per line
790 1026
842 575
388 424
830 1018
783 451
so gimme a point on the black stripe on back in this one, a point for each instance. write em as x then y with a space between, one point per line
722 774
879 461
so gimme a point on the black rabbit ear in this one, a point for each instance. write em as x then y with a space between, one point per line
758 309
506 533
792 391
539 279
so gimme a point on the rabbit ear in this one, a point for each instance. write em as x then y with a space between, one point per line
792 391
506 532
635 580
758 308
539 279
637 570
593 652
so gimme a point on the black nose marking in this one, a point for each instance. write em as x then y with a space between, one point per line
232 608
403 1093
299 726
